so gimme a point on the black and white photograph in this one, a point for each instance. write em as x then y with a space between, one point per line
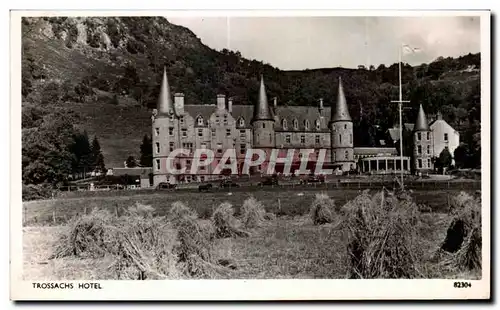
329 146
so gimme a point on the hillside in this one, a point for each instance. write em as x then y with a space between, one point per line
106 72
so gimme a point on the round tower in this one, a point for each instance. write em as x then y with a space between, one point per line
162 135
422 143
341 128
263 121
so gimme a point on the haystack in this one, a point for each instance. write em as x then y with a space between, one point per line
140 209
88 236
252 213
226 225
322 209
463 237
381 236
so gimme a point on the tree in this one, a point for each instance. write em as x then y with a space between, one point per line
146 152
130 163
97 159
444 160
461 156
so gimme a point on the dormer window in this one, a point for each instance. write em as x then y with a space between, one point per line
283 124
241 122
318 124
295 124
306 124
199 121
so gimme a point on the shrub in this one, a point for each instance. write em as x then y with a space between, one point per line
322 210
252 213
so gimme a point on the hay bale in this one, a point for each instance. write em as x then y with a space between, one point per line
226 225
139 209
322 209
381 236
252 213
87 236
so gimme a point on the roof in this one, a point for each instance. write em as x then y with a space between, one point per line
395 132
262 111
341 111
142 171
421 124
289 113
375 151
165 104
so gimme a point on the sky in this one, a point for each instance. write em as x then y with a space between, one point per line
304 42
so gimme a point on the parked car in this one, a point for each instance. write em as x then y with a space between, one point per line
205 187
269 181
228 184
166 185
313 179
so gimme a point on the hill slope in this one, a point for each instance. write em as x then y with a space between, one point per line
106 71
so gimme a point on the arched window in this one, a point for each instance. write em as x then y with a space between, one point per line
295 124
318 124
199 121
241 122
306 124
283 124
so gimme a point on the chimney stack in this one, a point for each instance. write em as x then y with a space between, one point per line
320 104
221 102
179 103
275 102
230 105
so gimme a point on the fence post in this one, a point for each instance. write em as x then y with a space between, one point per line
279 206
116 210
85 210
54 215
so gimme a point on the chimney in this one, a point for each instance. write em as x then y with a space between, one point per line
179 103
275 102
221 102
320 104
230 105
439 115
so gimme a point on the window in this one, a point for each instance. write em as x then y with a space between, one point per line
346 154
242 122
184 132
270 138
228 132
306 124
199 120
170 131
157 164
318 124
287 138
340 138
283 124
300 156
263 125
219 148
171 116
345 126
445 137
171 144
302 139
419 163
188 146
188 162
243 149
200 132
213 133
203 145
419 136
316 139
295 124
225 119
217 121
181 119
428 149
350 138
428 136
157 131
419 149
243 134
157 147
429 162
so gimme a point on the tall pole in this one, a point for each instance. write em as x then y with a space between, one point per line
401 120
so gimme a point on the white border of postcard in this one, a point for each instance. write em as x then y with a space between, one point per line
246 289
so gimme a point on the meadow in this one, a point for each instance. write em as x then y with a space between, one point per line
288 243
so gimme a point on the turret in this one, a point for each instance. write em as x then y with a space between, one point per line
342 143
165 104
263 121
422 143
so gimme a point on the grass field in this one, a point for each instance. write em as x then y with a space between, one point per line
289 246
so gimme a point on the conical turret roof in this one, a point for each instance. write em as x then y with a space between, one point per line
421 124
165 104
261 110
341 112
